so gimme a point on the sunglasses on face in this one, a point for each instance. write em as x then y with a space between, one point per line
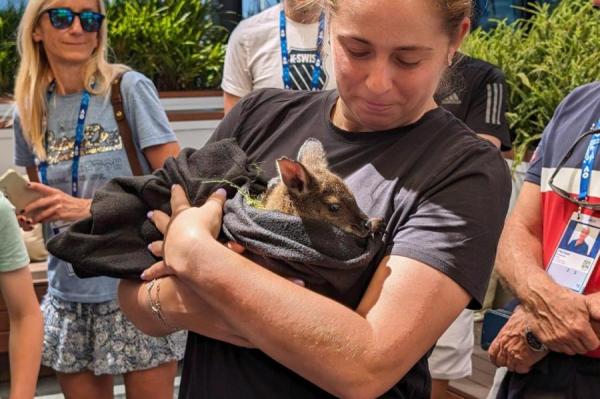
62 18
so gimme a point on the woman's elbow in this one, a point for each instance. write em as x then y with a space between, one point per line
366 383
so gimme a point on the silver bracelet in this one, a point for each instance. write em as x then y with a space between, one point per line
156 308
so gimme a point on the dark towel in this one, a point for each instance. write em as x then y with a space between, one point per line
114 240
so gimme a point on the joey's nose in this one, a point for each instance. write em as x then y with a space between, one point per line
375 225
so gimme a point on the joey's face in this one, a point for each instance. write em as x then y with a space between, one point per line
333 202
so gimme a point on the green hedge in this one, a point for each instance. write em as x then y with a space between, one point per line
9 20
173 42
544 58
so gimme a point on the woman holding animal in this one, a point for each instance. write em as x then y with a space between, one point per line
66 129
442 192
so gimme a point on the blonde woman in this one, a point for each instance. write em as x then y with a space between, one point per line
66 134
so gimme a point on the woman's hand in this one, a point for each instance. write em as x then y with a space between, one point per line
52 206
25 222
185 230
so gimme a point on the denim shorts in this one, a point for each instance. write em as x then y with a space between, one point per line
97 337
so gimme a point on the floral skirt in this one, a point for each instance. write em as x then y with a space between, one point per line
97 337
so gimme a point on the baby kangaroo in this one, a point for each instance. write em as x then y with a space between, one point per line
308 189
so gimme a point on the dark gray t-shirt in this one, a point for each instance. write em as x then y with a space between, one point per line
442 191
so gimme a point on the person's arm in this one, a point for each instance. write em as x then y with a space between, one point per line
148 120
487 107
406 308
561 317
26 331
509 348
229 100
183 310
158 154
16 288
361 353
237 77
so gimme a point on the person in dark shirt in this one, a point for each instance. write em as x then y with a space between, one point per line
442 191
477 95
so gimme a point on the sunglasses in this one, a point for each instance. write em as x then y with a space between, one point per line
62 18
564 194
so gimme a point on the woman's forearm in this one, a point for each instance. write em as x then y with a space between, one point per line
25 349
359 355
270 320
180 306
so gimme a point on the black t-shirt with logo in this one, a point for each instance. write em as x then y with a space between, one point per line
477 96
442 191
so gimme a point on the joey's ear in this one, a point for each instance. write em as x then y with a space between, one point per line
294 176
312 154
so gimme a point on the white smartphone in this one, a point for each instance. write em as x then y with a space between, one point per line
14 187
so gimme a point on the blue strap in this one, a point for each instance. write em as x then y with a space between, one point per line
587 165
285 58
43 166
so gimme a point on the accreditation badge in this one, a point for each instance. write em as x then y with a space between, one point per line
577 253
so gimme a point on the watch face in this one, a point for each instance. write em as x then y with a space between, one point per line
533 342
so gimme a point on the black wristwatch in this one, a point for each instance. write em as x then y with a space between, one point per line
533 342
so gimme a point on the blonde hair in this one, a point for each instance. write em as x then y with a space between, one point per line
35 75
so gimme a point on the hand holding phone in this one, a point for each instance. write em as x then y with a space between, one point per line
16 189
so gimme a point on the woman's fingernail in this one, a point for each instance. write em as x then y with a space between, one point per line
149 214
221 192
150 247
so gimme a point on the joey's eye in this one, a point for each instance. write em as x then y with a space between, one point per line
334 207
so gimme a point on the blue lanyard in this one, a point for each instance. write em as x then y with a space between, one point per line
587 165
285 58
43 166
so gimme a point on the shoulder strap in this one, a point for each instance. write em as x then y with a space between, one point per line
124 129
34 178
